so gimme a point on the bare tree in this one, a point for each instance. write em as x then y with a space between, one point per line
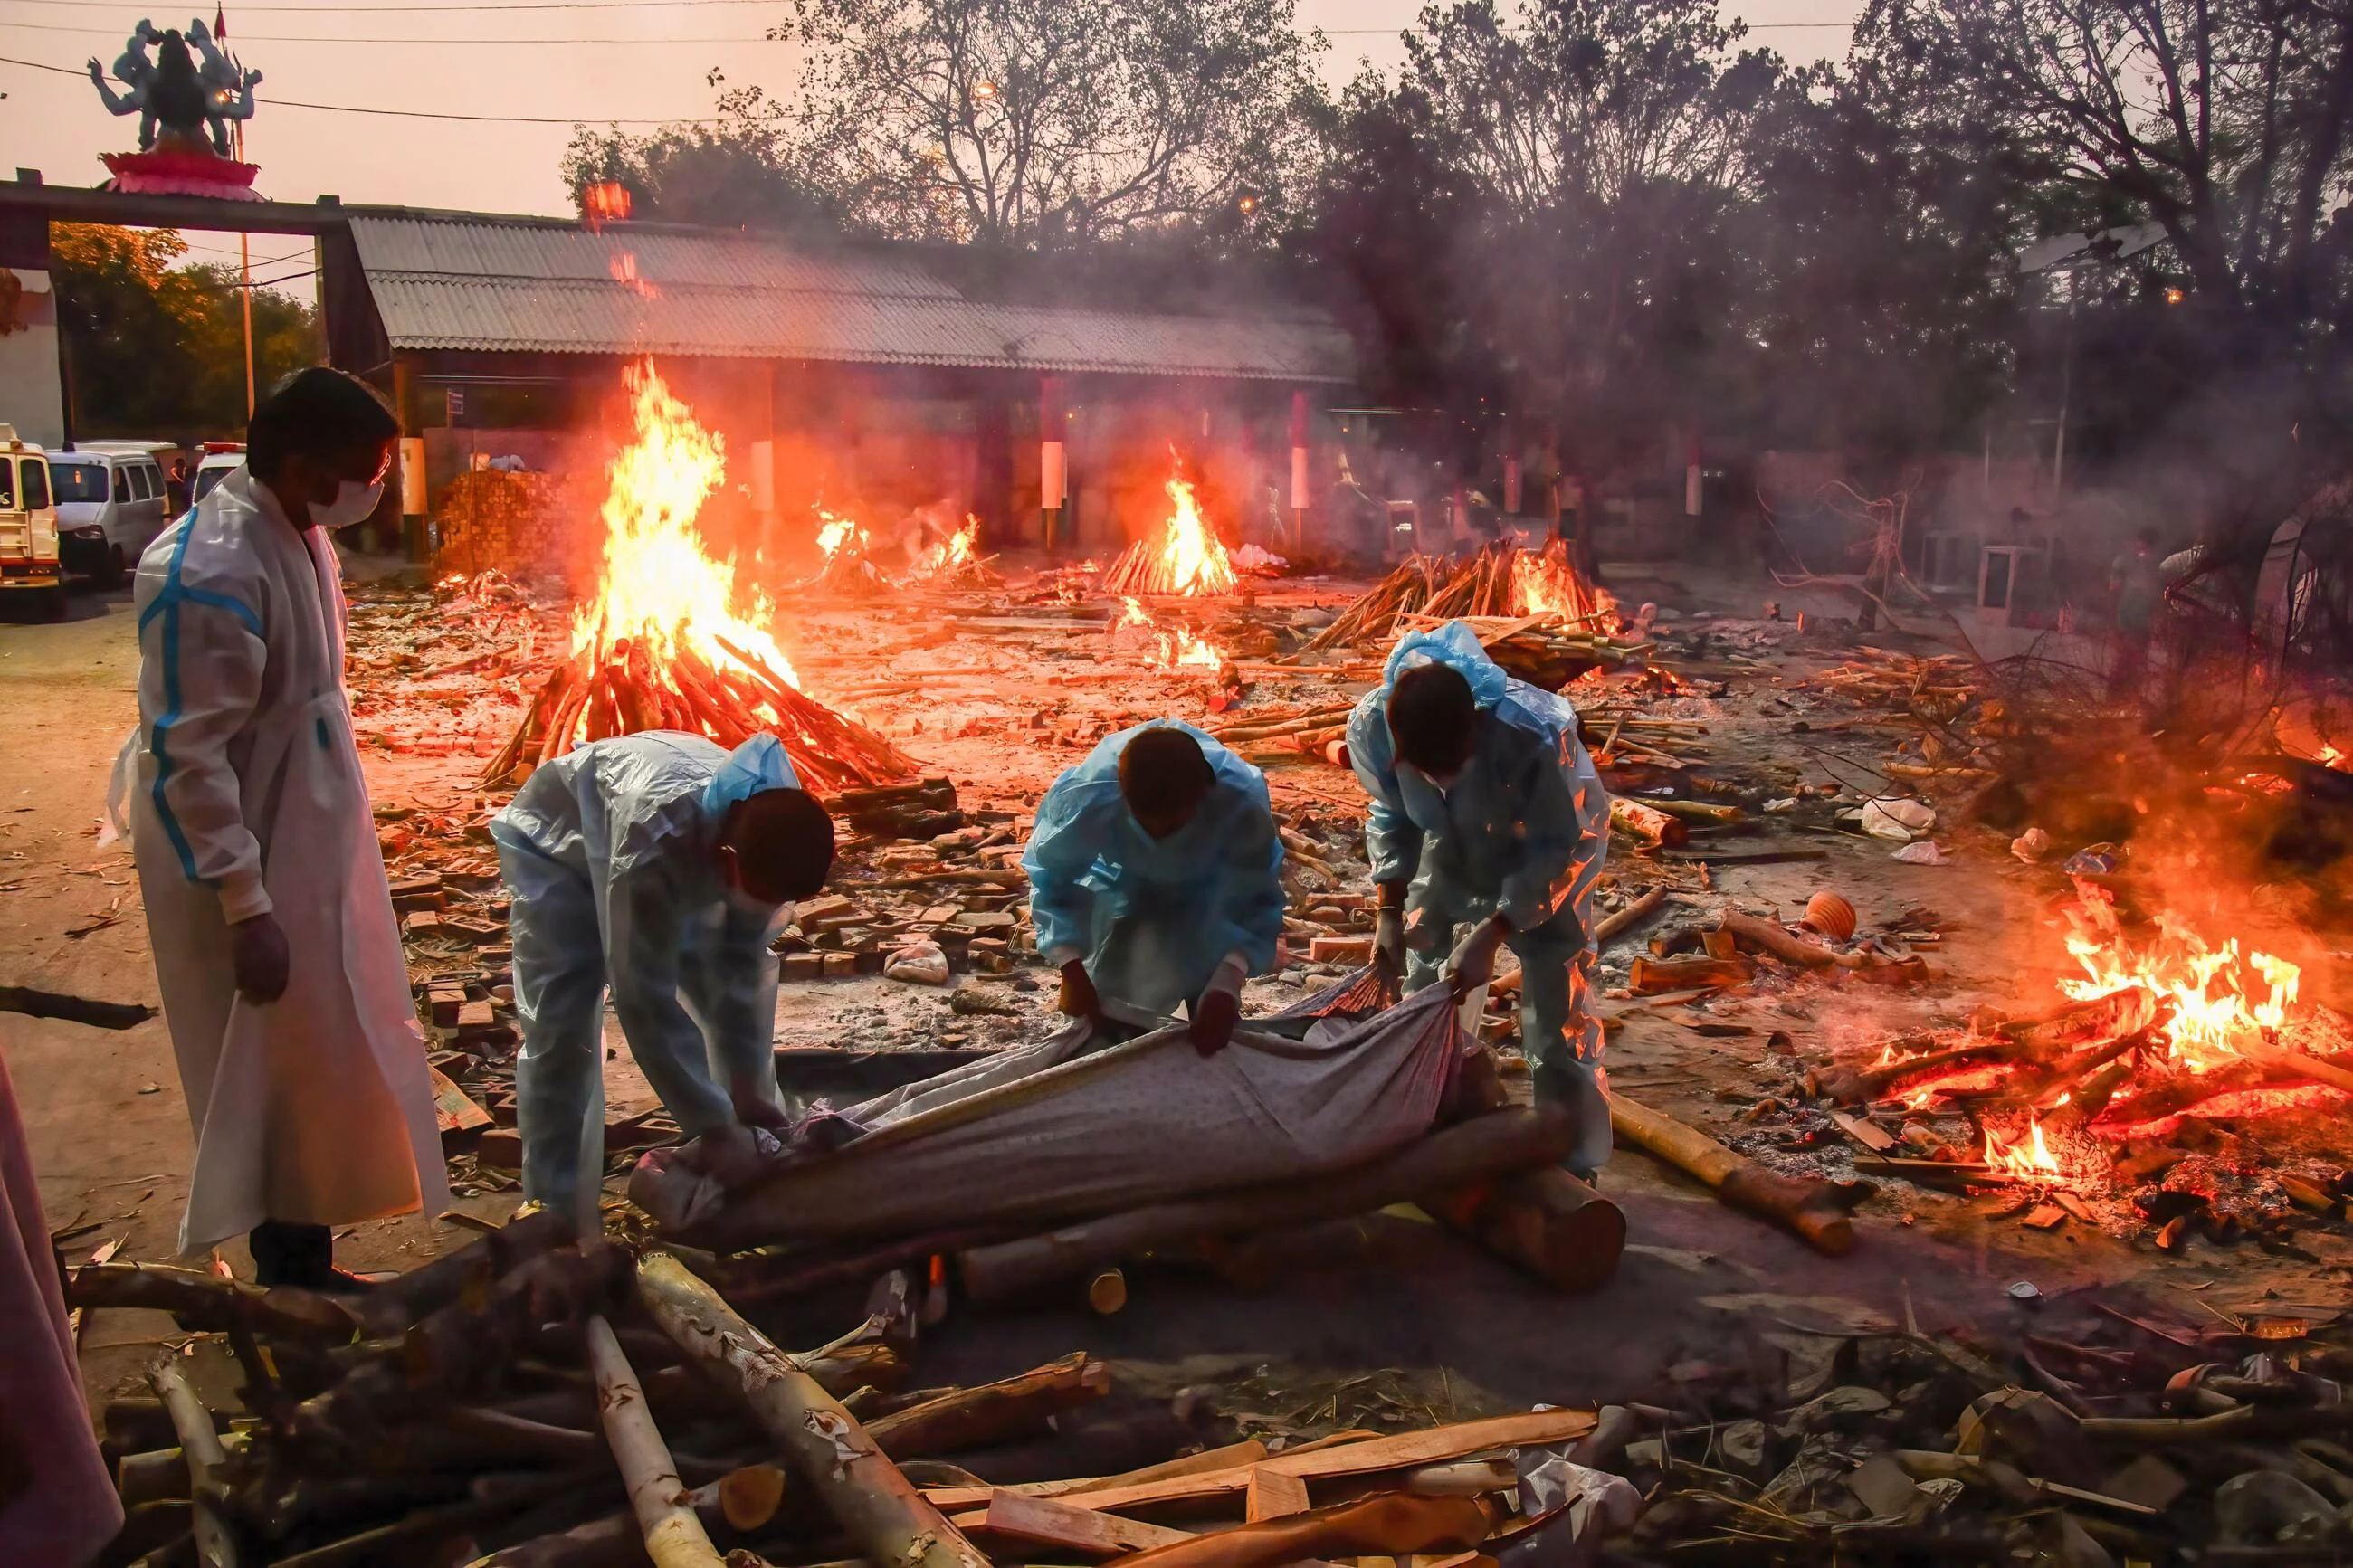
1030 121
1590 99
2225 121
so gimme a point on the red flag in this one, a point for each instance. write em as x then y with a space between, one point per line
220 21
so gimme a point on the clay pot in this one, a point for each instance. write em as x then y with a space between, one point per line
1829 914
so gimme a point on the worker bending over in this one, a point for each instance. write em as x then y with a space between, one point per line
276 947
655 864
1487 813
1156 878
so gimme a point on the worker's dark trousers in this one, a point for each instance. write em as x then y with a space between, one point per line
287 1253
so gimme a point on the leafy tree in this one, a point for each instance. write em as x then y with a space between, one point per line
158 350
740 172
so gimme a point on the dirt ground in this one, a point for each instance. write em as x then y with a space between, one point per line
1001 703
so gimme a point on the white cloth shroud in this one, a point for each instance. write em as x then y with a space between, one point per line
1051 1130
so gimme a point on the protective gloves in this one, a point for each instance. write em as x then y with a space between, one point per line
1220 1007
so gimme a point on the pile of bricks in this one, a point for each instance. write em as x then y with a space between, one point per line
515 523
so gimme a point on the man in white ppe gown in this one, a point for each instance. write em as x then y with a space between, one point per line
1487 813
275 948
656 865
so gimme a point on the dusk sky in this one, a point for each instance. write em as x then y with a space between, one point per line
556 60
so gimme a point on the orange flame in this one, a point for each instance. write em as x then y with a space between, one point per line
1177 647
607 201
837 533
957 550
1132 614
660 585
2028 1157
2217 1011
1186 559
1544 582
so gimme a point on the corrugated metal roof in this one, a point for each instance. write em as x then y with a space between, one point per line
524 286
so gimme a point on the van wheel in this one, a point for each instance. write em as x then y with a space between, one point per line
112 573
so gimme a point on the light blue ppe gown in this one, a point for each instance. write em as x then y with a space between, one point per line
1155 917
607 852
1523 831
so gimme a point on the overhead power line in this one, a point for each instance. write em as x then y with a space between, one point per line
415 113
85 30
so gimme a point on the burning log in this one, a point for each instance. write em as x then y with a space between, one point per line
2102 1018
1500 582
887 1518
1813 1210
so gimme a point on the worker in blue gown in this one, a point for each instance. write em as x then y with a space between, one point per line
656 865
1156 878
1487 813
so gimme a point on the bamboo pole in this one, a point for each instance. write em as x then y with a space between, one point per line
1813 1209
884 1516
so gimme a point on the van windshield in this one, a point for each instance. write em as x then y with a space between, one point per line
79 480
206 478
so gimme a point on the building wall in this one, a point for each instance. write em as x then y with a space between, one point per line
32 397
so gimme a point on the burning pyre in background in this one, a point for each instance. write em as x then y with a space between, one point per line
662 645
1186 559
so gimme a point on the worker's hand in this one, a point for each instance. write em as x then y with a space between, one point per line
1078 998
1214 1017
257 957
1474 960
753 1108
1389 939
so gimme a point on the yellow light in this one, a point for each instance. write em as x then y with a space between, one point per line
2173 296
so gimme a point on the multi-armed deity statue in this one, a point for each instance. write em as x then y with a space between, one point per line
185 99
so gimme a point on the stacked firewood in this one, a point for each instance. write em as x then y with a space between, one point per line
531 1401
631 690
1545 646
490 519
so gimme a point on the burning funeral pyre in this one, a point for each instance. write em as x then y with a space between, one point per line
662 645
1186 559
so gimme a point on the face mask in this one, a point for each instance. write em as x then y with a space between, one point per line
354 503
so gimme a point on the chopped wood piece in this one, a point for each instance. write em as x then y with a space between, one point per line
216 1538
1401 1451
886 1519
1390 1524
2045 1216
1545 1221
1271 1494
1045 1522
1813 1209
674 1535
992 1412
205 1301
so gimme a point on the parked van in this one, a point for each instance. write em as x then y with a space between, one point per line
110 505
28 524
221 459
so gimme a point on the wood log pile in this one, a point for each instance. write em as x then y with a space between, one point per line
633 688
1546 647
531 1401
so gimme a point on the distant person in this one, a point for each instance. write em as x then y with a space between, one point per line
1156 878
654 866
2139 587
58 1504
175 486
1487 814
276 947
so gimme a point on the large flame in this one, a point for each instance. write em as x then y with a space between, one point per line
660 586
2221 1004
1546 583
1187 558
1176 645
837 533
1191 559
